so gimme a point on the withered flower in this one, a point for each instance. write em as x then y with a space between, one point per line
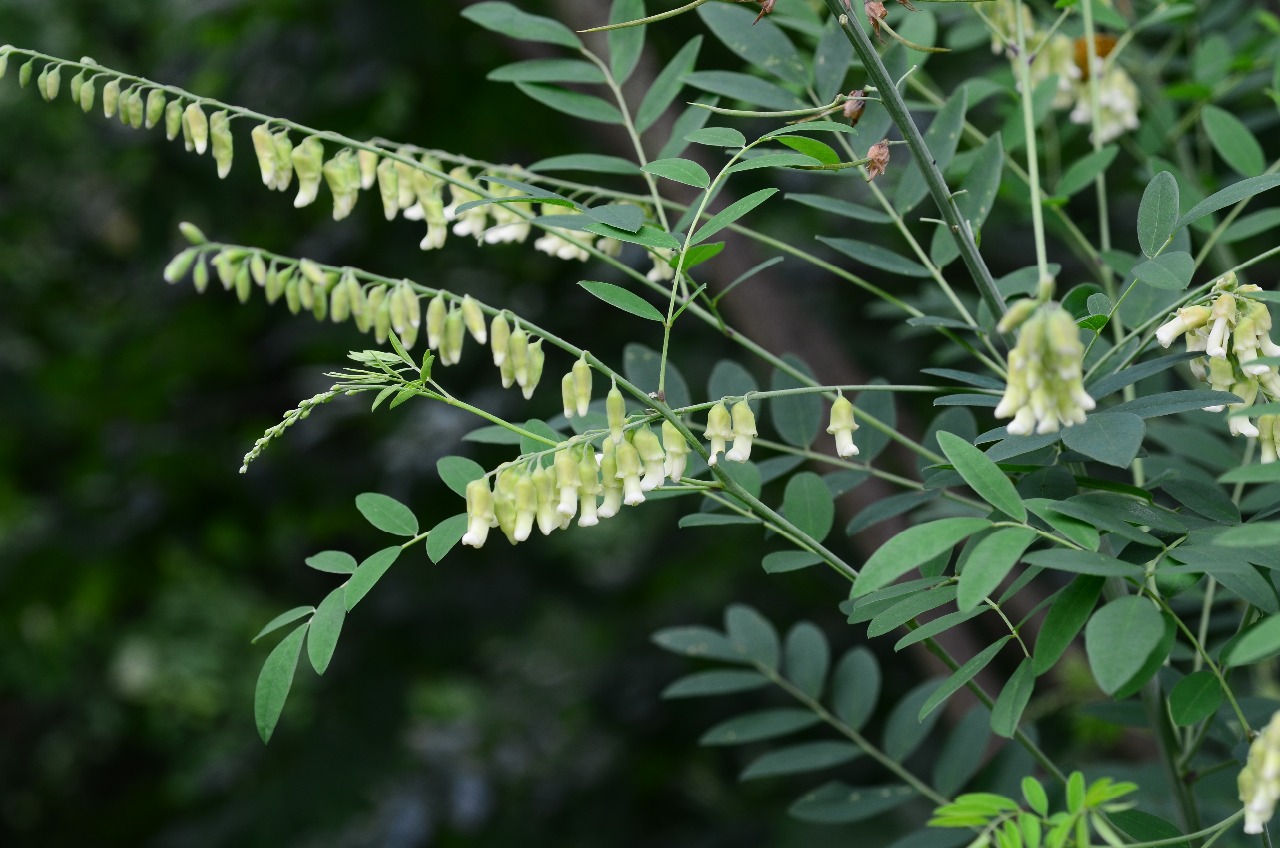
876 13
879 159
855 106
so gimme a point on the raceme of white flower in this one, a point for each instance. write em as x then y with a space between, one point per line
1045 388
1259 781
1232 329
1118 101
842 427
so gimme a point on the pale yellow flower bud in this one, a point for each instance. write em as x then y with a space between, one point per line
155 108
389 188
744 430
454 338
544 485
1259 782
195 123
518 353
589 487
568 480
677 451
842 427
526 507
308 162
615 408
719 430
582 385
220 133
652 456
628 460
111 98
566 395
473 317
609 480
499 338
480 516
536 361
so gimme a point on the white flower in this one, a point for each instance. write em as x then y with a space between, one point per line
1259 782
1117 104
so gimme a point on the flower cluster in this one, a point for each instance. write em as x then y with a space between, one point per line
1060 56
1232 329
1260 780
1046 382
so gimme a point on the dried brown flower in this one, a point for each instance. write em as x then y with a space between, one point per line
855 106
879 159
876 13
766 6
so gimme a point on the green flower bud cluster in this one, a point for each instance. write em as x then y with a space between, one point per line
1259 782
1231 329
1046 381
579 482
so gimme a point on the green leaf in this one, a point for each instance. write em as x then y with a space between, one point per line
715 682
1259 642
795 417
877 257
1128 376
831 62
798 759
387 514
886 508
624 216
1085 170
1233 141
842 208
698 642
761 43
681 171
326 626
1144 827
626 44
1195 698
1229 196
713 519
1269 473
807 504
585 106
648 236
1169 271
983 476
731 213
333 562
821 151
961 676
1252 225
457 472
760 725
700 253
589 162
773 160
1013 699
641 365
275 680
1067 615
1171 403
1082 562
805 658
1119 639
908 608
962 754
839 803
752 634
548 70
623 299
282 619
505 19
717 137
538 428
667 85
368 574
913 547
855 687
779 562
904 730
991 561
1110 437
1158 213
444 536
1213 503
749 89
941 139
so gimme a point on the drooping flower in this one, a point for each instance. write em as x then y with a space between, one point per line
879 159
1259 782
615 408
719 430
744 430
1118 102
1046 386
480 515
652 457
677 450
842 427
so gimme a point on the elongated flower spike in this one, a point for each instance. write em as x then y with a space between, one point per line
1259 782
744 430
652 457
616 410
480 516
719 430
842 427
1046 386
582 385
676 449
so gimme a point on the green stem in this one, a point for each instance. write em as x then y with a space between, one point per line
1023 63
1100 182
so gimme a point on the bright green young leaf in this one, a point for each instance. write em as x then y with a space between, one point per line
798 759
805 658
333 562
626 44
275 680
326 626
913 547
505 19
1195 698
282 619
368 574
387 514
855 687
1158 213
547 70
666 86
961 676
759 725
731 213
983 476
718 681
625 300
1168 271
1013 699
588 107
717 137
444 536
1261 641
1233 141
752 634
991 561
681 171
1119 639
458 471
1067 615
1110 437
807 504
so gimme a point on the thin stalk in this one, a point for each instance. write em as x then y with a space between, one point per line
1023 62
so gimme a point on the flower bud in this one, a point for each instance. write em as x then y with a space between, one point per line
1267 427
568 479
200 277
473 317
87 92
526 507
609 480
265 150
566 395
396 308
194 122
582 385
652 456
179 266
192 233
308 158
628 459
382 321
52 82
589 487
243 283
73 87
220 133
454 337
499 338
615 408
719 429
284 159
172 115
373 304
436 315
155 108
536 360
1017 313
368 164
292 300
404 182
4 61
879 159
110 97
134 110
388 188
480 515
518 354
744 430
676 449
842 427
544 485
1259 781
